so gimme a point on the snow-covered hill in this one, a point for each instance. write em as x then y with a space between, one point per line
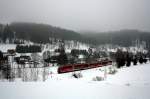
128 83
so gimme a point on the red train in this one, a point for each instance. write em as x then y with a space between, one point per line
77 67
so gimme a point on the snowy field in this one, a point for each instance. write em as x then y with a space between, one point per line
128 83
5 47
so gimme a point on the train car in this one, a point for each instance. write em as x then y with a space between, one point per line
83 66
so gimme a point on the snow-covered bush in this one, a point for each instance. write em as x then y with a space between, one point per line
77 75
127 84
112 70
98 78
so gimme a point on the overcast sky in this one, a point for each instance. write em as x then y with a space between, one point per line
94 15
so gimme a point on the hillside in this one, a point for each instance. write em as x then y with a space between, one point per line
42 32
122 37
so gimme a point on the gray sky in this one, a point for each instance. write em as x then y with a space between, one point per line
94 15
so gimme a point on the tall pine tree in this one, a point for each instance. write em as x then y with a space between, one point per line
7 34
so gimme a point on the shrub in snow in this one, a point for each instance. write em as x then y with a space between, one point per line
128 84
77 75
98 78
101 70
112 70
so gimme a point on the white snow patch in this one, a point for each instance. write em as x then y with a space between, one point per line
5 47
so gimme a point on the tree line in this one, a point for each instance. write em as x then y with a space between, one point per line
40 33
126 58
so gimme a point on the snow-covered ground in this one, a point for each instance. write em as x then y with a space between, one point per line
128 83
5 47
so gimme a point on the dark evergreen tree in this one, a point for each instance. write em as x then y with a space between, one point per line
135 60
128 59
1 57
120 58
62 58
1 54
141 59
8 34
